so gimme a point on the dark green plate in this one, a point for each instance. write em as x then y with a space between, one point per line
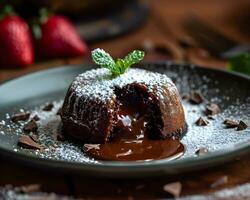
230 90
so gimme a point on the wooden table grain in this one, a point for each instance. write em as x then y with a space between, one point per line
162 28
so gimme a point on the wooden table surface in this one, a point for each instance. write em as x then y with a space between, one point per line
162 28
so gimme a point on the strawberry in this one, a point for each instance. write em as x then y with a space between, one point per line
15 42
58 38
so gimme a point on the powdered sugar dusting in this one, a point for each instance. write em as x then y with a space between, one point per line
97 83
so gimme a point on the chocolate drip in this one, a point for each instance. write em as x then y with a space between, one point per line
131 142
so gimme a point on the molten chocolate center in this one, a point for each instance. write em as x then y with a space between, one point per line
131 143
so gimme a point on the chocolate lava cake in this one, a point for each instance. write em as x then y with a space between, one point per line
94 102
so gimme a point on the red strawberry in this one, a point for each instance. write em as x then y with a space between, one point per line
15 42
59 39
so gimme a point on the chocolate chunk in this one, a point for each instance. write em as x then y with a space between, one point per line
196 97
20 117
230 123
221 181
59 111
173 189
34 137
31 126
36 118
26 142
30 188
185 97
201 151
211 117
201 122
212 109
48 107
241 126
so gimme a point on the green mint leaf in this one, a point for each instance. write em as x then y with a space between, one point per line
240 63
102 58
133 58
120 65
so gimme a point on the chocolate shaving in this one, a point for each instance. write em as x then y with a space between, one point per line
59 111
196 97
36 118
31 126
173 189
30 188
28 143
221 181
241 126
201 151
20 117
212 109
48 107
230 123
201 122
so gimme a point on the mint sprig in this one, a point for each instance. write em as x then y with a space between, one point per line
119 66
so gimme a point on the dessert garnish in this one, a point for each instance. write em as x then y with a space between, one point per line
210 117
174 189
48 107
241 126
201 121
212 109
196 97
34 137
230 123
23 116
26 141
31 126
118 66
201 151
185 97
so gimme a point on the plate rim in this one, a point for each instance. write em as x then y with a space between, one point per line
123 169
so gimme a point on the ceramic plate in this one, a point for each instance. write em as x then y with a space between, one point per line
231 91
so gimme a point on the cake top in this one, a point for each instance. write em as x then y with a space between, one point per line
99 84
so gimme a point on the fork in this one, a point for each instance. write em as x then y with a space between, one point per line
210 39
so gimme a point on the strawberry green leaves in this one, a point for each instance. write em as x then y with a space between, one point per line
102 58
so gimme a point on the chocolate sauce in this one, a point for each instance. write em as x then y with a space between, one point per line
131 144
